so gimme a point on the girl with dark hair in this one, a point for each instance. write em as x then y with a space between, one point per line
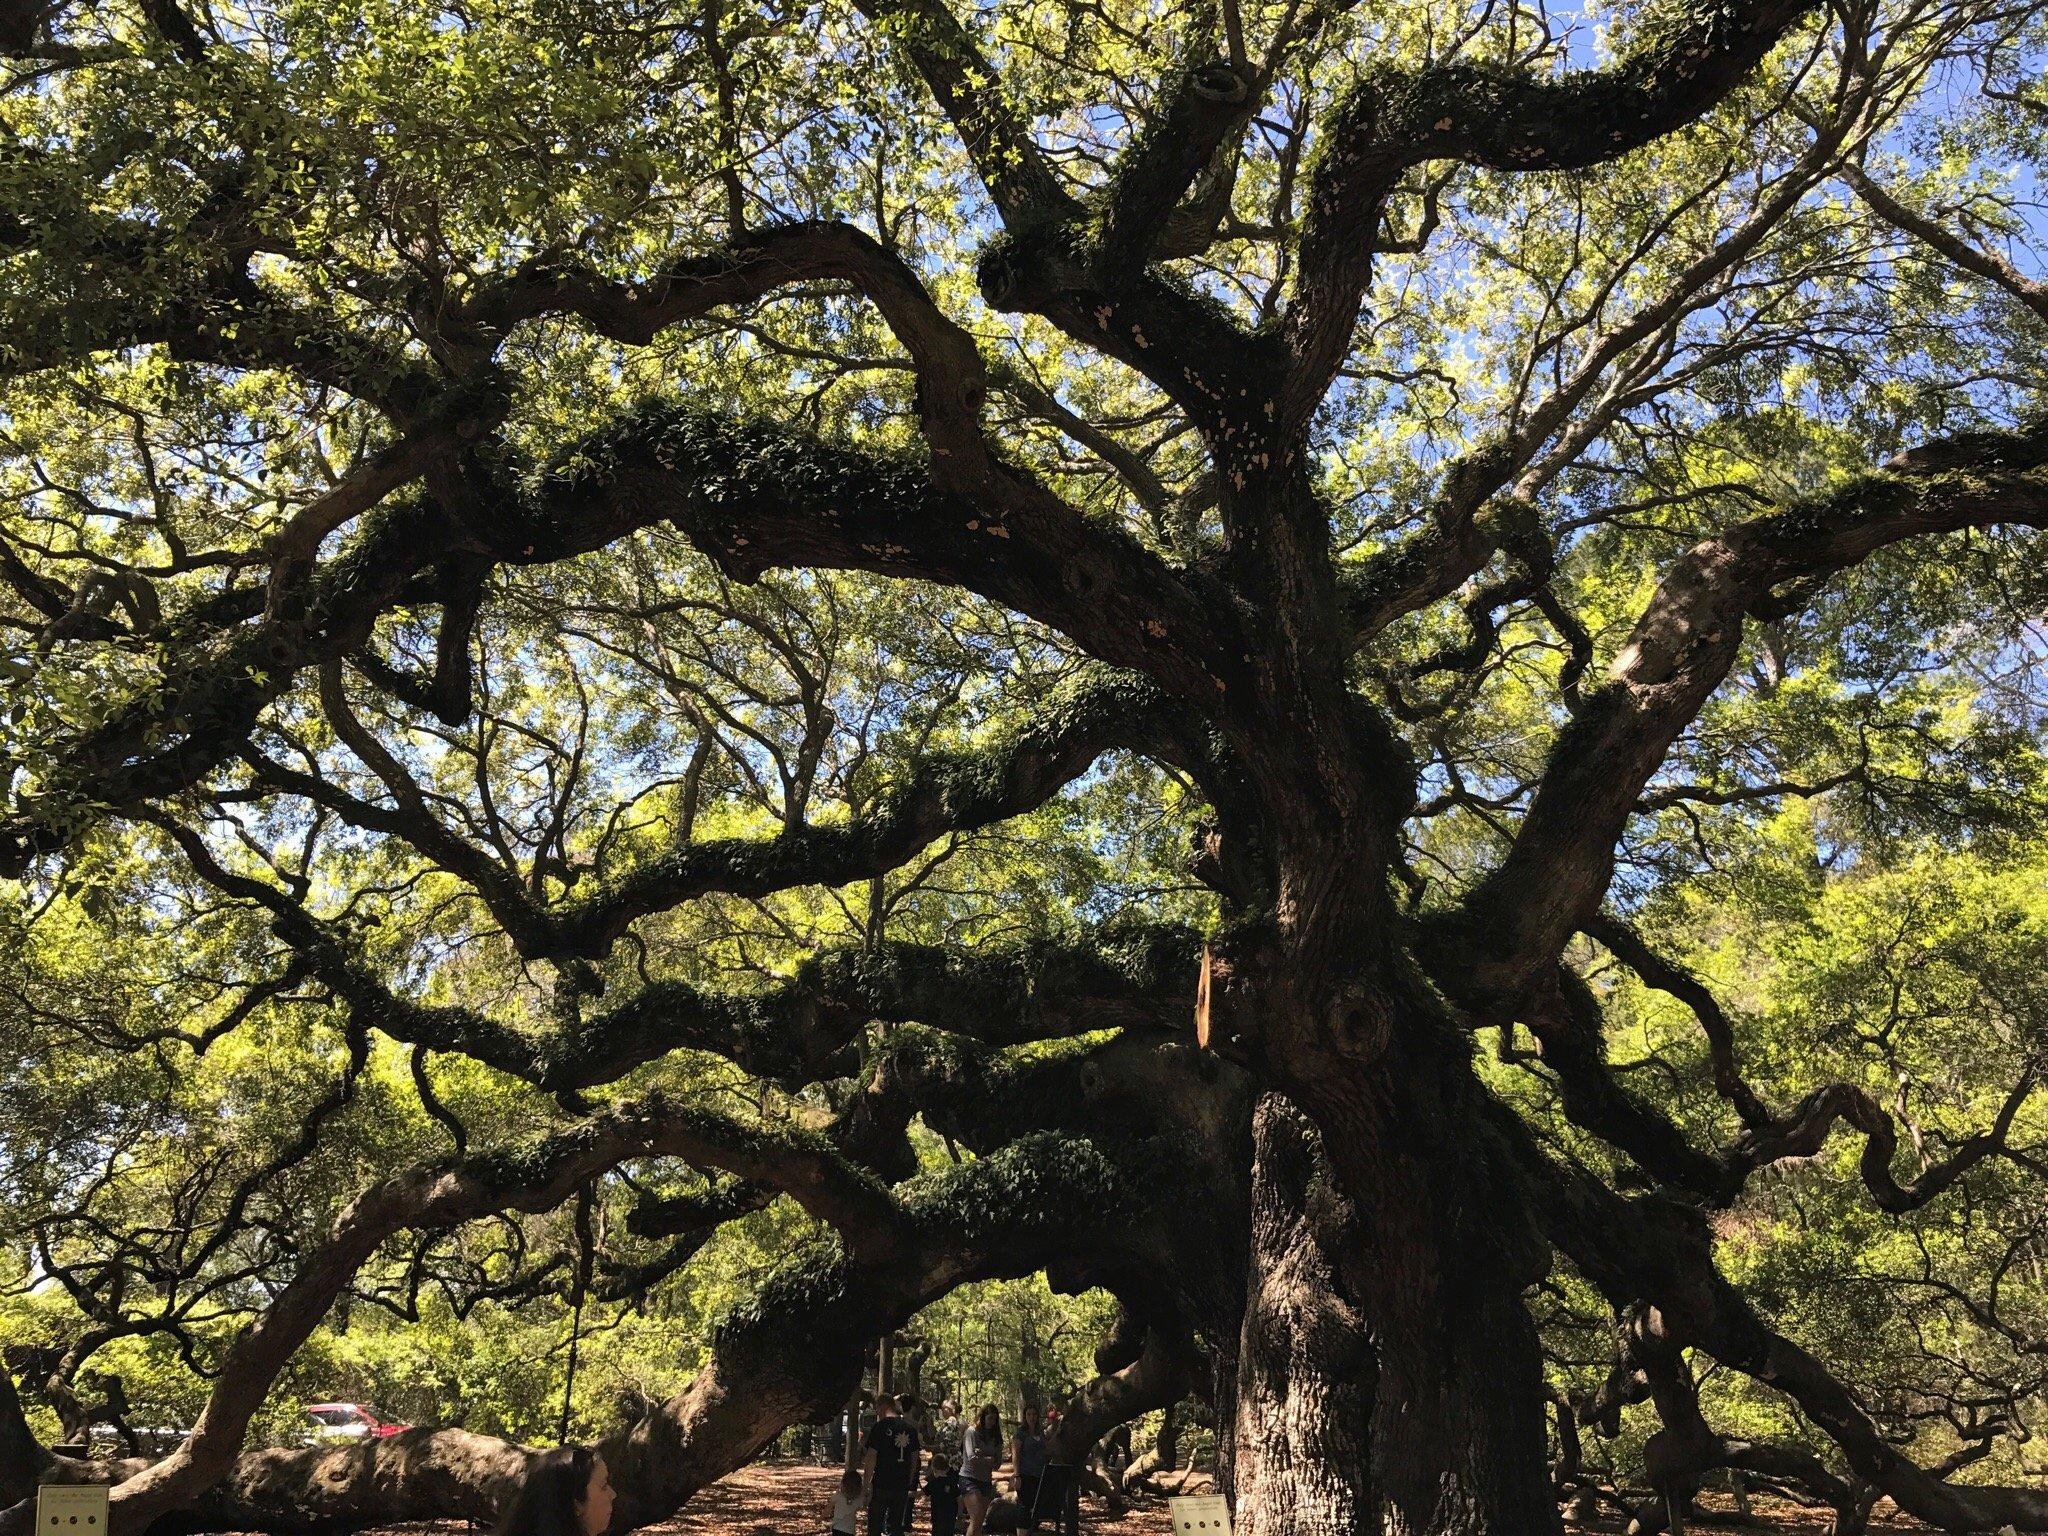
847 1502
567 1492
981 1452
1028 1455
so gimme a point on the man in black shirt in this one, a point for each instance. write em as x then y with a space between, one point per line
889 1463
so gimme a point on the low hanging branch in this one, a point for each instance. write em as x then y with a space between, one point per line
444 1194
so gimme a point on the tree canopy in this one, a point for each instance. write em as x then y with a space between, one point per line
1367 676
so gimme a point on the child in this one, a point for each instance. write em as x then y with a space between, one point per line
942 1488
846 1505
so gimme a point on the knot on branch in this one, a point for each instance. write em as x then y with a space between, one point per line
1220 83
1361 1025
1000 278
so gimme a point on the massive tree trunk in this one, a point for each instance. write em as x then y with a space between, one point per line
1458 1433
1317 986
1342 1022
1302 1424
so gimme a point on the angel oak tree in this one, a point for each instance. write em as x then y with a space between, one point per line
1383 437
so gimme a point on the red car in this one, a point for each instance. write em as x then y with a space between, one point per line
348 1421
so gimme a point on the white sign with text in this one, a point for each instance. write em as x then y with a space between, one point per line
1205 1515
71 1509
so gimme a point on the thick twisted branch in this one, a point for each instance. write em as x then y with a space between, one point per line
1557 870
1652 1252
969 90
751 497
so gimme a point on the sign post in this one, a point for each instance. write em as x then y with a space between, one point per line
71 1509
1204 1515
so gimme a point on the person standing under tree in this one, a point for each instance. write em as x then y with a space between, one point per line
981 1452
889 1464
1029 1456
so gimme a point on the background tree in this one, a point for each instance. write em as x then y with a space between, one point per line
622 617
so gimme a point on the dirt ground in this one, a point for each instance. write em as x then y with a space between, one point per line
770 1500
1715 1512
780 1499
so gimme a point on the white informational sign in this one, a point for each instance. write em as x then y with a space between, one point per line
1206 1515
71 1509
